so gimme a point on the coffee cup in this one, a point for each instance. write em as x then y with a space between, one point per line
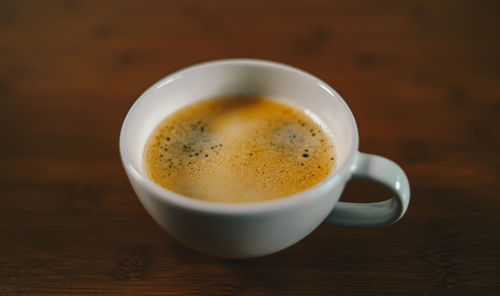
259 228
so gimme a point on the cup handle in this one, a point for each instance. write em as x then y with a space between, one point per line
386 172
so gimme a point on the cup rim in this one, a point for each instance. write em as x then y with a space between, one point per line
180 200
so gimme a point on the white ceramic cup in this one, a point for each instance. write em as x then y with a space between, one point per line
256 229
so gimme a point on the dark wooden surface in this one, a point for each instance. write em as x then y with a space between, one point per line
422 79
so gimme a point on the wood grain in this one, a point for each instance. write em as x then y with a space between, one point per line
422 79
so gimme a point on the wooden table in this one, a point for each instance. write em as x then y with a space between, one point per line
421 78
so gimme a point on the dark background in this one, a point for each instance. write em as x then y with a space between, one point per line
421 77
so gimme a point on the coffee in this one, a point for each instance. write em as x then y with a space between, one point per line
238 150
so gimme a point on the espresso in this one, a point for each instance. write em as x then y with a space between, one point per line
238 150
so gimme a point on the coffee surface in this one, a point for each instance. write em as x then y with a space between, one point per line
237 150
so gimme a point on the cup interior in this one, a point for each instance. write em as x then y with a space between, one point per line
239 77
